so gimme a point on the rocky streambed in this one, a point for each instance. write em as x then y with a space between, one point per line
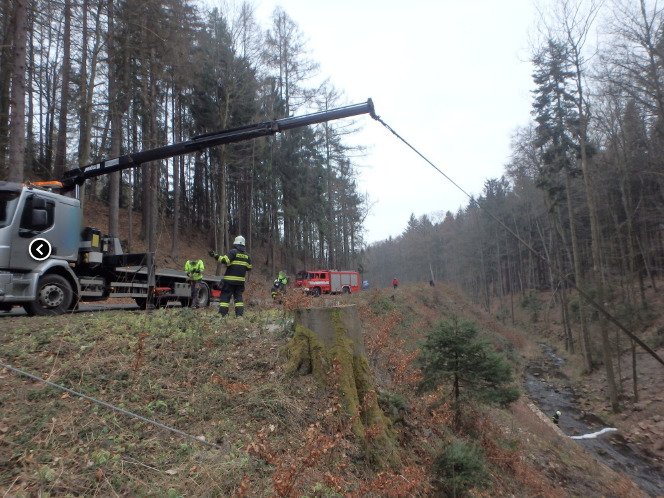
549 388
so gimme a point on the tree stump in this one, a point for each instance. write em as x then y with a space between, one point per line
325 336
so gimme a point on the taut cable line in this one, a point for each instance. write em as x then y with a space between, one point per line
109 406
558 274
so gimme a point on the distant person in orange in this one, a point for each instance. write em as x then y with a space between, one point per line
395 282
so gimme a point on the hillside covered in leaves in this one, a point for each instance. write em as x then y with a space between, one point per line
268 433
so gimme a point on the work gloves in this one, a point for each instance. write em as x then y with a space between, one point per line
214 254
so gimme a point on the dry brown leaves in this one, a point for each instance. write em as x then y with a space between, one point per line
296 299
412 481
383 342
512 461
324 446
229 386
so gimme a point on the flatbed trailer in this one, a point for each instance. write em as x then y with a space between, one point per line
170 286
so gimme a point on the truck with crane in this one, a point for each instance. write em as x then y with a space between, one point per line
49 262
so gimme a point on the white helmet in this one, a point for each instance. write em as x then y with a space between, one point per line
239 241
558 413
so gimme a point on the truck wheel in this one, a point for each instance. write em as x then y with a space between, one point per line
54 295
315 291
141 302
346 290
5 307
203 296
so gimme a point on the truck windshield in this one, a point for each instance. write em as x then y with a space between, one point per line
8 203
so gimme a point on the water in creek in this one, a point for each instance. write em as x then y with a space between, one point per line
610 448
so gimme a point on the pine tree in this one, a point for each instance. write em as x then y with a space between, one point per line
454 353
557 120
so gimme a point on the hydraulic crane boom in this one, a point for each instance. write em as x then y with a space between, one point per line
78 175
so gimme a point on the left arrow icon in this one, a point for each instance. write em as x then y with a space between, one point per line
39 249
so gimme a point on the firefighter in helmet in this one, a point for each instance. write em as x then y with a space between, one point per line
194 269
238 263
556 417
279 284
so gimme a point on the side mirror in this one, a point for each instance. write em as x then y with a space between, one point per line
38 203
39 219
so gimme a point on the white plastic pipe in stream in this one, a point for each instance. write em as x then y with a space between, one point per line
593 435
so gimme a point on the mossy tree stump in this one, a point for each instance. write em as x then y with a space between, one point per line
325 336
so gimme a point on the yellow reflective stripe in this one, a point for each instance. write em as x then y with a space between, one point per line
224 305
241 263
233 278
239 304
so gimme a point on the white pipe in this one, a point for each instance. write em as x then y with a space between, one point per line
595 434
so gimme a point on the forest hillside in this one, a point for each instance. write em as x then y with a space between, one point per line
550 277
275 431
272 432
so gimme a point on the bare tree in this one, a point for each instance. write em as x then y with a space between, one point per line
577 23
6 34
17 95
59 164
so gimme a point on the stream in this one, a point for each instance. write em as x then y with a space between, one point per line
610 448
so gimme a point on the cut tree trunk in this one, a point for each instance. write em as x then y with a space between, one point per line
325 337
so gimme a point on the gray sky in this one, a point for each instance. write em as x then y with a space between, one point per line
453 77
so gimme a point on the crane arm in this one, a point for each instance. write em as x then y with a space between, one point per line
77 176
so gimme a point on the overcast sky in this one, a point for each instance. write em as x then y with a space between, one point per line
453 77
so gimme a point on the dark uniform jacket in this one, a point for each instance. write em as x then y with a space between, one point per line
238 263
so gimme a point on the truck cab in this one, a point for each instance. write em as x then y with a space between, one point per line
49 263
28 213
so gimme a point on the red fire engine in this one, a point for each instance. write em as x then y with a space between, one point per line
317 282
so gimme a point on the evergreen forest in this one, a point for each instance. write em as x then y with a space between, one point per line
87 80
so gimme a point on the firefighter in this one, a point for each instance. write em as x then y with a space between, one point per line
194 270
395 282
238 263
279 284
556 417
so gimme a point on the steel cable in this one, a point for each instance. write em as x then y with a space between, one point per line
559 274
110 406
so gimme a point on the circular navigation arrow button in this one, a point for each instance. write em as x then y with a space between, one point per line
39 249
